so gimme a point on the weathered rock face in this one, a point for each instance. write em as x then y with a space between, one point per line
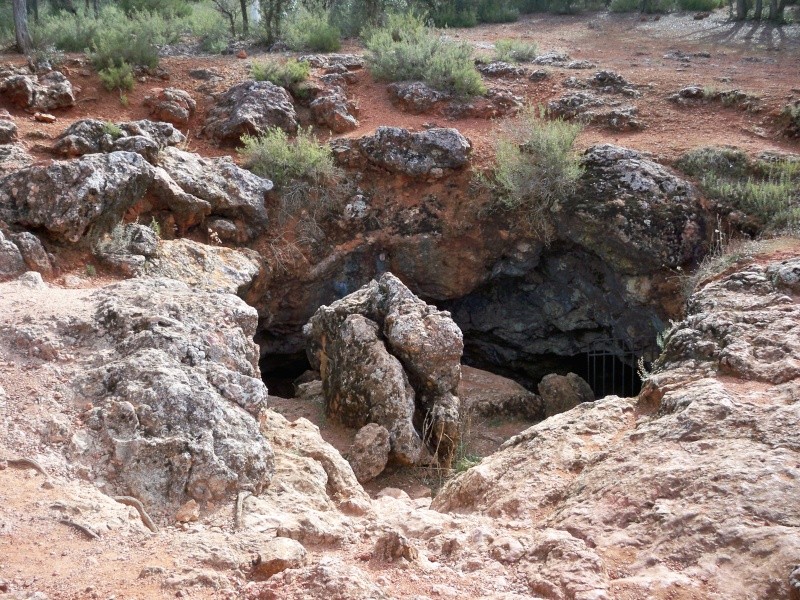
634 213
197 186
387 357
693 485
489 395
421 154
175 400
171 105
33 253
11 261
278 555
370 452
8 129
26 90
333 109
561 393
417 98
13 158
250 108
69 198
89 136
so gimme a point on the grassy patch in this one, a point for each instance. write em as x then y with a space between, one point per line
285 74
406 50
536 168
515 51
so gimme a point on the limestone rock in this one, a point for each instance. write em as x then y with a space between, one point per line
190 183
384 355
43 93
13 158
202 267
175 395
11 261
489 395
501 69
89 136
562 393
189 512
415 96
330 579
8 129
370 452
633 212
277 555
33 253
351 62
392 546
171 105
250 108
67 198
794 584
416 154
333 109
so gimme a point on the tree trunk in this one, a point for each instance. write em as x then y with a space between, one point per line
245 20
24 43
741 10
776 8
33 9
759 8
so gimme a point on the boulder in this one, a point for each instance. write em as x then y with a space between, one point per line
416 154
351 62
8 129
277 555
562 393
68 198
89 136
42 93
489 395
175 396
203 267
574 104
385 355
11 262
634 213
329 579
217 186
415 96
33 253
171 105
555 58
13 158
369 452
250 108
501 69
392 546
333 109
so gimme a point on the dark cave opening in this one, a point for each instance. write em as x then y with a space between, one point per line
279 371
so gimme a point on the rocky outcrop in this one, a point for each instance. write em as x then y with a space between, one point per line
175 401
70 198
417 97
171 105
8 129
696 478
561 393
27 90
501 69
11 262
33 253
197 187
589 109
634 213
334 110
89 136
330 579
351 62
250 108
13 158
387 357
488 395
424 154
370 452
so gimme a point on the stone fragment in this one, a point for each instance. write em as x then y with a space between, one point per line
561 393
188 512
369 452
171 105
277 555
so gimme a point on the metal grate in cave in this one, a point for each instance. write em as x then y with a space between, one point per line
612 366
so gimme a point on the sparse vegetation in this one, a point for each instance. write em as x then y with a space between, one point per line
312 30
156 227
515 50
536 168
117 78
275 156
285 74
112 129
406 50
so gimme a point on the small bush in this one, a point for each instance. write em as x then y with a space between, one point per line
623 6
133 40
207 25
286 74
536 169
515 51
728 162
66 31
274 156
168 8
117 78
307 30
112 130
455 14
497 11
699 5
406 50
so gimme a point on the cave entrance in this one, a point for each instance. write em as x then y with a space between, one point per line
280 370
612 368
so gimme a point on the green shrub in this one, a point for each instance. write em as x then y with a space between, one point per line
307 30
117 78
66 31
456 13
515 51
168 8
699 5
406 50
623 6
274 156
112 129
536 169
728 162
6 25
206 24
133 40
497 11
286 74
